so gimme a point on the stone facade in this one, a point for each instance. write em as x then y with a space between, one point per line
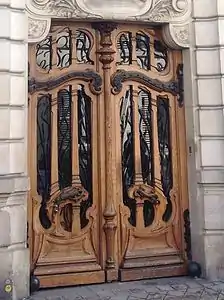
14 256
202 40
207 57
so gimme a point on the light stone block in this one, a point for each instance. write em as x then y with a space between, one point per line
17 157
212 153
18 199
15 266
18 26
211 122
5 88
4 2
222 86
17 123
201 33
208 62
5 123
21 273
6 266
18 63
214 255
22 183
222 60
214 210
221 30
18 225
18 84
5 19
11 184
209 91
212 176
18 4
4 158
5 238
220 6
5 55
204 8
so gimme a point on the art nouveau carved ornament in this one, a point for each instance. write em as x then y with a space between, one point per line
174 14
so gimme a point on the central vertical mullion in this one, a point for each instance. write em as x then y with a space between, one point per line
75 136
137 150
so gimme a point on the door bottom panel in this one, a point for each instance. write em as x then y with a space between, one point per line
71 279
152 272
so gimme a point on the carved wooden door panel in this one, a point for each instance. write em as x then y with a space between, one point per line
107 157
64 90
150 152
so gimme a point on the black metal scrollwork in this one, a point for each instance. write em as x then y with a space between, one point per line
161 56
44 54
124 46
64 49
83 47
143 51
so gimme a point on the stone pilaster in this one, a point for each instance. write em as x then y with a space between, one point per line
207 72
14 256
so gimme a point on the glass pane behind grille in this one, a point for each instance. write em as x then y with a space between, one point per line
145 131
127 148
85 151
64 139
163 123
44 155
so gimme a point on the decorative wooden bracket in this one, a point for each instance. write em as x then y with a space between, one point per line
94 79
142 193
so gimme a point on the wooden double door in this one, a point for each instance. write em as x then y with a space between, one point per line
107 155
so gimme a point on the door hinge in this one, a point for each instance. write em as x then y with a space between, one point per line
180 82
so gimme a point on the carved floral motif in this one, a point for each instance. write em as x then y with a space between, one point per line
157 11
62 8
166 11
37 27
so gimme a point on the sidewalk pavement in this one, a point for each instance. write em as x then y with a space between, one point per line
181 288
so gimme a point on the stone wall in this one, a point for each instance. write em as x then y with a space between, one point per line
205 111
14 256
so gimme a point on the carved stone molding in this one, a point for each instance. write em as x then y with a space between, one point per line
38 28
174 13
177 35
